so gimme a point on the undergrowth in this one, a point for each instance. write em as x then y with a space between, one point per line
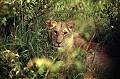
25 52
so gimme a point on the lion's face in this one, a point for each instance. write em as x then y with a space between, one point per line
61 34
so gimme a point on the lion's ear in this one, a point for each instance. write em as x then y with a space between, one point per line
51 24
71 24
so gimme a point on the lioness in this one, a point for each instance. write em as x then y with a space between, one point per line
61 35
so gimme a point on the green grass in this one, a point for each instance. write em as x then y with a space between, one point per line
26 20
28 45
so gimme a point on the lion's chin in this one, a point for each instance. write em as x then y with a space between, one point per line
58 47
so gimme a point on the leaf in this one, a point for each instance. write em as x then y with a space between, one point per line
42 69
17 72
61 50
39 62
28 1
79 64
56 67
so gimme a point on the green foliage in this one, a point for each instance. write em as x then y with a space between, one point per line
23 31
56 67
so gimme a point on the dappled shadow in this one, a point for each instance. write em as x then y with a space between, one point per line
112 44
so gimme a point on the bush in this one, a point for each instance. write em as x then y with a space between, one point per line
24 35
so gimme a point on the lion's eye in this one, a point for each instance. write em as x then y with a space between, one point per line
65 33
55 32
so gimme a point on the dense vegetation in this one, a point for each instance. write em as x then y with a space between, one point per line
23 34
